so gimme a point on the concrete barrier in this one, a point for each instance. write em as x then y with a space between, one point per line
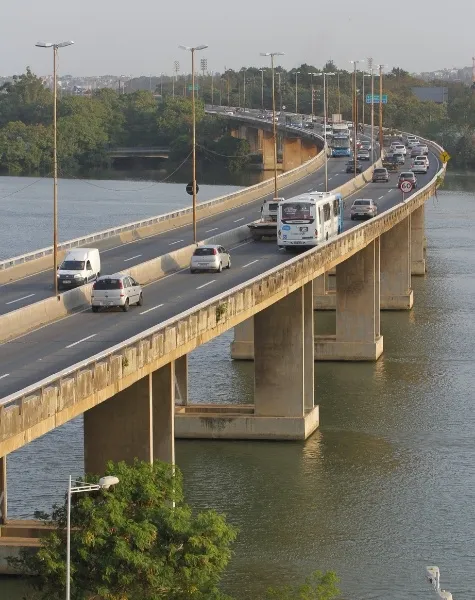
22 320
34 262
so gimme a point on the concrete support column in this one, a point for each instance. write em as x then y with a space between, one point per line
181 380
292 153
396 292
253 139
242 348
267 150
323 297
418 261
308 150
283 353
358 335
3 490
138 422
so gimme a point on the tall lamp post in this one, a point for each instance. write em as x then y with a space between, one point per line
78 487
274 125
325 75
297 73
371 71
262 88
312 75
355 111
364 99
55 153
193 143
381 110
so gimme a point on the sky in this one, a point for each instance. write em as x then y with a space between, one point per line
142 37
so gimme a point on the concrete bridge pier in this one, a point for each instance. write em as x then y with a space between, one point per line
358 336
3 490
138 422
181 380
418 260
267 150
396 291
324 297
292 153
283 406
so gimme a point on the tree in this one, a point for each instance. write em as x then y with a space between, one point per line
136 541
318 586
25 99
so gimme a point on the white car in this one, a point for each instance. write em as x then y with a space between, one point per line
116 290
413 143
424 158
419 166
400 148
210 258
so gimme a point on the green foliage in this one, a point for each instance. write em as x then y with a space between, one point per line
24 148
318 586
136 541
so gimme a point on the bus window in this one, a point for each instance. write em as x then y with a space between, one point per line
326 212
336 208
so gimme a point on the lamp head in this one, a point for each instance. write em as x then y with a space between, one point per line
108 481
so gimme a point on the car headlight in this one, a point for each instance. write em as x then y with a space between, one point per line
77 276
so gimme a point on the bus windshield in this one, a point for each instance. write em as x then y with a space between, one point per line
300 212
341 142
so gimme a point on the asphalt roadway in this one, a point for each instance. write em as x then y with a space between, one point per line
45 351
33 288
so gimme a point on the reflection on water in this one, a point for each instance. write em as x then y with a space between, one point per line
383 488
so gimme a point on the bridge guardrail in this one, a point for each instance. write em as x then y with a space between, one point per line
164 339
174 218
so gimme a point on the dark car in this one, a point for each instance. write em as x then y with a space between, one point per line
380 174
400 158
351 167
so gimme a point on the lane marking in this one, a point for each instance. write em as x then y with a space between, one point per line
251 263
3 376
381 197
83 340
205 284
214 229
20 299
177 242
132 257
237 220
149 309
388 192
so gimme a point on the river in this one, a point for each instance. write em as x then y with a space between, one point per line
382 489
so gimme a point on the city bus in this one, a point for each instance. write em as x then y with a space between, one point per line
309 220
341 145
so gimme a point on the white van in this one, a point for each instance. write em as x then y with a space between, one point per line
80 266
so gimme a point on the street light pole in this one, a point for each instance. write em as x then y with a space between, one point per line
79 487
371 70
274 125
244 90
339 99
55 153
355 112
193 143
381 110
325 75
297 73
262 88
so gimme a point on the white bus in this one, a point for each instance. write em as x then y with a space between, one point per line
309 220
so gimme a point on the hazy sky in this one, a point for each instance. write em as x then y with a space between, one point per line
140 37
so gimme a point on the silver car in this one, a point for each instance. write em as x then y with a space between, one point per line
363 209
210 258
116 290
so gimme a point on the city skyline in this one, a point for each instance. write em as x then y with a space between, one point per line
110 38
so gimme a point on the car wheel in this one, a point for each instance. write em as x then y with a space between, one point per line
229 264
352 218
94 308
125 308
140 302
220 268
192 271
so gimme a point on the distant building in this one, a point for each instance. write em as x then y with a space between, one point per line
439 95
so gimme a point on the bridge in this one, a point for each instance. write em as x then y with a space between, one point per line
149 152
90 365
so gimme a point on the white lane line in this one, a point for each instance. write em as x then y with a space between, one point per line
210 230
205 284
330 178
237 220
132 257
249 264
20 299
389 191
3 376
83 340
381 197
149 309
177 242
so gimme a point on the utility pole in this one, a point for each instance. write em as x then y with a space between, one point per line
371 70
381 110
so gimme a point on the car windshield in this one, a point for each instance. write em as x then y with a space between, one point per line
108 284
362 202
419 162
406 175
72 265
380 171
204 251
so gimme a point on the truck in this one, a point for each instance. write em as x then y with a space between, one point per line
266 226
80 266
340 128
336 118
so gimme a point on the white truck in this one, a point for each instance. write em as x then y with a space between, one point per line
266 226
80 266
